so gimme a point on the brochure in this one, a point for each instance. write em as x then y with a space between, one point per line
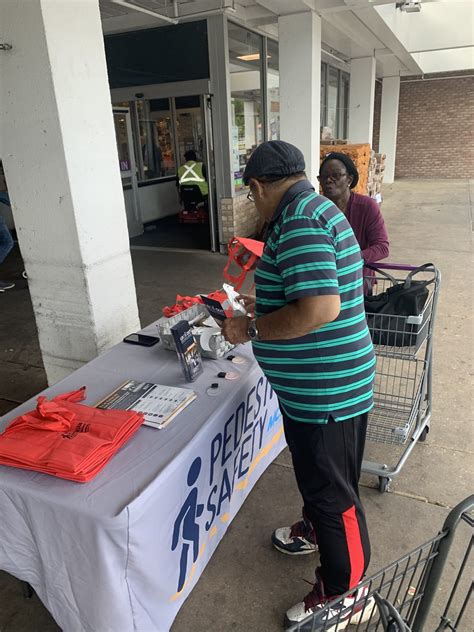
160 404
214 308
187 350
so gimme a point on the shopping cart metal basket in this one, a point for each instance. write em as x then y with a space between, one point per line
402 596
403 383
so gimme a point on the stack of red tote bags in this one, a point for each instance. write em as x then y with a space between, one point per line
67 439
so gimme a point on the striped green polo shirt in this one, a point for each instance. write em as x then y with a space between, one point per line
310 250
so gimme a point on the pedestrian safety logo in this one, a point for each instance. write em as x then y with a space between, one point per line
246 438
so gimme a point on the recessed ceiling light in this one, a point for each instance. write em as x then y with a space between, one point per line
251 57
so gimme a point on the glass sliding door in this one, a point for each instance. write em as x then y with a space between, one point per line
189 127
156 138
128 169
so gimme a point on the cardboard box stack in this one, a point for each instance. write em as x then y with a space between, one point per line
376 173
360 154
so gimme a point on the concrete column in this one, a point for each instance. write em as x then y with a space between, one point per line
300 84
221 103
361 101
218 44
60 158
389 124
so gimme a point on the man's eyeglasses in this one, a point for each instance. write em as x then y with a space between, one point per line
335 177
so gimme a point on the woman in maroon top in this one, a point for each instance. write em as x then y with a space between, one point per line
338 175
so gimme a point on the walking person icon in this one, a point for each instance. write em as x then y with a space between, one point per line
185 526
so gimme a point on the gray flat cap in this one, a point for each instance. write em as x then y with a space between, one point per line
274 159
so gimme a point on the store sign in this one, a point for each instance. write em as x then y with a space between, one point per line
239 178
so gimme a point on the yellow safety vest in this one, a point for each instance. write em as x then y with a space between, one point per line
191 173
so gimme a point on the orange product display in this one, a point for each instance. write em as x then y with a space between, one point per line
66 439
182 303
244 254
185 302
361 154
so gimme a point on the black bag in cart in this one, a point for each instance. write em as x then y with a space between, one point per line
387 312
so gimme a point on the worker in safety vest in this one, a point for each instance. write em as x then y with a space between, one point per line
193 172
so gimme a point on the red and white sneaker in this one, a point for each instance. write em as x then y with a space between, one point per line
354 609
299 539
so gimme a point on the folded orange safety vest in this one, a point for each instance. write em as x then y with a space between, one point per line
66 439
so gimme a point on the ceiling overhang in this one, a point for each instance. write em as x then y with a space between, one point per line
351 29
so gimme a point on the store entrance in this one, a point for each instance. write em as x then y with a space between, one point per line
164 130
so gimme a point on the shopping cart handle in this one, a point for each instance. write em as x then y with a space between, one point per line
393 266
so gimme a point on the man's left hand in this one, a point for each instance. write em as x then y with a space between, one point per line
235 330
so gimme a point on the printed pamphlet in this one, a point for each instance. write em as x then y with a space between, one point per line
160 404
187 350
214 308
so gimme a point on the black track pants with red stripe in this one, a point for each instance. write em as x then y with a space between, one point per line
327 459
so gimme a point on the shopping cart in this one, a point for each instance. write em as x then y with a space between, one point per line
401 597
403 383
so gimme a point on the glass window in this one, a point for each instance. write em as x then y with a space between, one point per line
156 138
245 62
273 83
344 105
334 102
332 93
323 96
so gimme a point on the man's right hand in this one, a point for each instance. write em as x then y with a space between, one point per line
248 301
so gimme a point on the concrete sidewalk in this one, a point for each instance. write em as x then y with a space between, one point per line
247 585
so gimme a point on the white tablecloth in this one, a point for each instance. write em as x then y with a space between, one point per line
122 552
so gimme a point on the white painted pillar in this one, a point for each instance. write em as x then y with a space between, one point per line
221 105
362 96
60 158
389 124
300 85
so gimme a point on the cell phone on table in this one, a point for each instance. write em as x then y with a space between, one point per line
142 340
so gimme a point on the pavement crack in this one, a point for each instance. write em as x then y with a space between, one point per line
10 401
471 204
24 366
417 497
288 466
451 449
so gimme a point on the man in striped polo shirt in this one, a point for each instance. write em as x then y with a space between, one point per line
310 337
